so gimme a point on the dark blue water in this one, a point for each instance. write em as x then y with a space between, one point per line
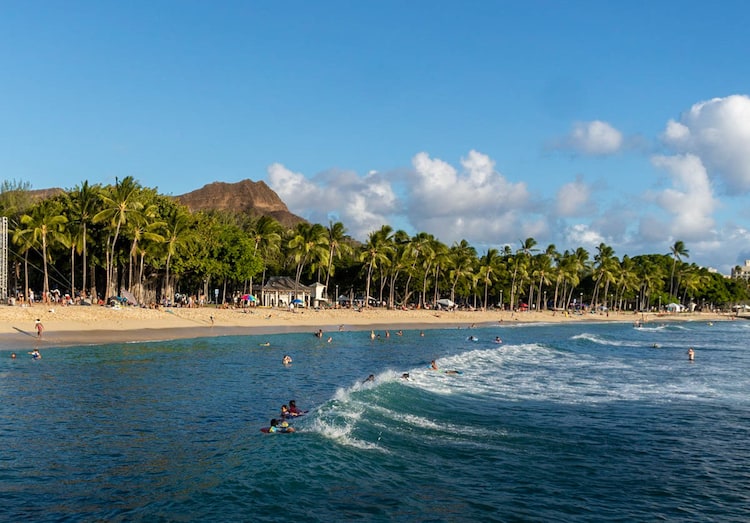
576 422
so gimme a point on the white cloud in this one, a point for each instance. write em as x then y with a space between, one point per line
717 131
594 138
690 201
362 204
477 203
581 234
573 199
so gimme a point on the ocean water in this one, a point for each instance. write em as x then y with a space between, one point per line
573 422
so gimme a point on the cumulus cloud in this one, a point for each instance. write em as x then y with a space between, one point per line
362 204
475 203
595 138
690 200
573 199
718 132
581 234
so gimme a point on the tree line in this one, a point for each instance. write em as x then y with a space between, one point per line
96 240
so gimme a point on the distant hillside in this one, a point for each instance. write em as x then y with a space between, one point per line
254 198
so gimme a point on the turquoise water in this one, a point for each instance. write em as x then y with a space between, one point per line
574 422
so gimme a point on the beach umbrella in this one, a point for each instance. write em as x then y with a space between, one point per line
445 302
298 301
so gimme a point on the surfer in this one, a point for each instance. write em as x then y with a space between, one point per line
371 377
293 410
405 376
433 366
276 428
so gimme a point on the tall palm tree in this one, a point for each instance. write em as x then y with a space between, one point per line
177 234
487 268
603 270
678 251
374 253
82 205
120 202
336 247
46 224
527 247
462 262
266 234
309 244
415 251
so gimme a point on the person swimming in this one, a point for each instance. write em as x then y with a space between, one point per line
498 340
293 409
276 427
286 360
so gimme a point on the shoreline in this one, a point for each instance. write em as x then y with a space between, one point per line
96 325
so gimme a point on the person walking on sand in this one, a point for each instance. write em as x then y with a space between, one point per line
39 328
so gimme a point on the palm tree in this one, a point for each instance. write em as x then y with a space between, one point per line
462 262
266 234
374 253
177 234
336 247
82 201
119 203
487 268
46 224
604 270
527 247
678 251
309 244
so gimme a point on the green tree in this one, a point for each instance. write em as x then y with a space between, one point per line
119 203
678 251
46 226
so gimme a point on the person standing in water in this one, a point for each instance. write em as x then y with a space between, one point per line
691 354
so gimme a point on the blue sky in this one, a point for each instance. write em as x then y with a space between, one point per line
574 123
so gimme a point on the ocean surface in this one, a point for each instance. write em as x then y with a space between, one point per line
573 422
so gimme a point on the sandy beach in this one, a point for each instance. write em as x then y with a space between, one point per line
84 325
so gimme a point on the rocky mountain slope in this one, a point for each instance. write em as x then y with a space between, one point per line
255 198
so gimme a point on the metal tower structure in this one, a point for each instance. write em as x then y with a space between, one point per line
3 258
